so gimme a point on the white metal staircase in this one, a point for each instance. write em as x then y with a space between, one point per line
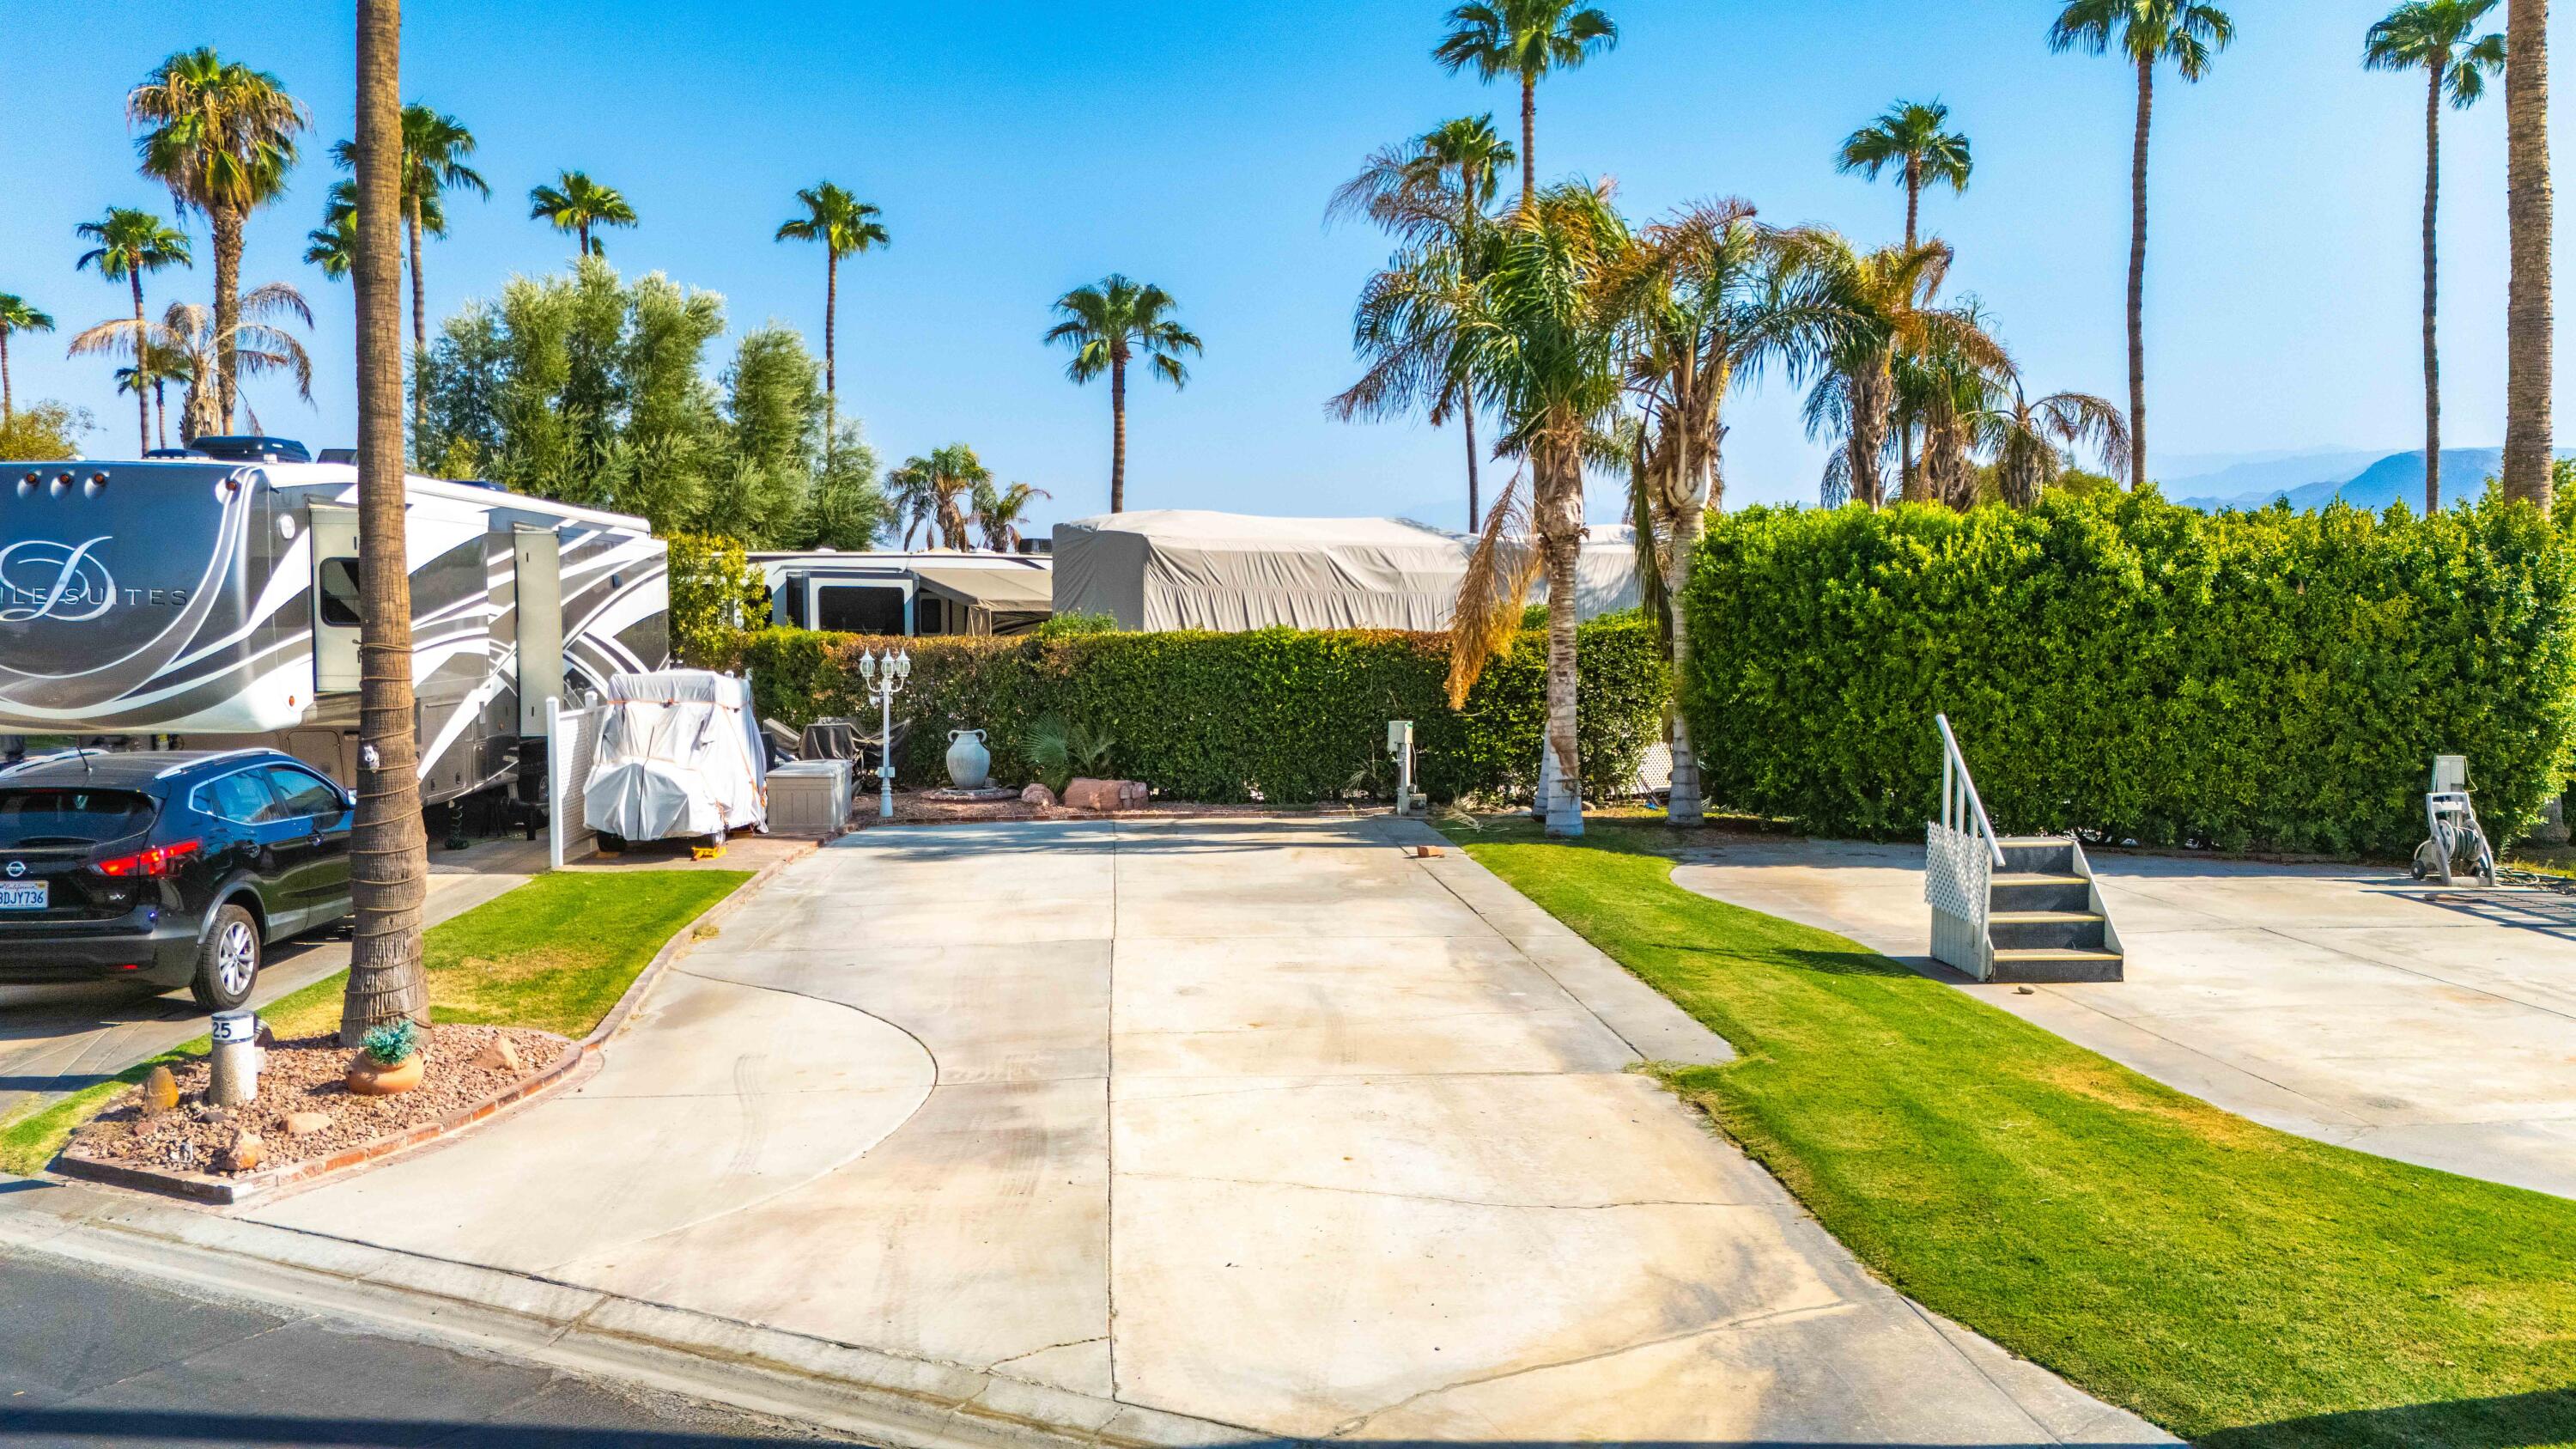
2010 908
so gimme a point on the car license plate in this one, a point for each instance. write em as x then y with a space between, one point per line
24 895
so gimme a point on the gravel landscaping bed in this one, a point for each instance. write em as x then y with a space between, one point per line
306 1075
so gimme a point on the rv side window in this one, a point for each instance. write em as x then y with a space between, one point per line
340 592
859 609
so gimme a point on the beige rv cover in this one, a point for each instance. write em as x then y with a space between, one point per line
1184 569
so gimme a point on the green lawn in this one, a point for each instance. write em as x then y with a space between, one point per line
555 953
2240 1286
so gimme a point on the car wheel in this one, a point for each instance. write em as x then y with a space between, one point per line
227 960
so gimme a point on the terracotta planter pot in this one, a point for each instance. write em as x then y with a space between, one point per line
370 1080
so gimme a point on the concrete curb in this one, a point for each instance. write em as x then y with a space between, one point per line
879 1397
231 1190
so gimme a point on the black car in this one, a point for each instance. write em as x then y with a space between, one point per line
172 867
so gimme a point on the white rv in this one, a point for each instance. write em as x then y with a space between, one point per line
203 602
935 591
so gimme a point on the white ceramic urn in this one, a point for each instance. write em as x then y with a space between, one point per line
970 765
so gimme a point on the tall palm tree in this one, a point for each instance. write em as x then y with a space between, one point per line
1540 336
2188 33
1108 324
1882 307
1915 138
17 314
2436 37
433 164
186 335
1708 296
844 225
936 491
577 204
131 242
1529 39
389 847
222 138
2529 215
1431 193
998 512
2029 437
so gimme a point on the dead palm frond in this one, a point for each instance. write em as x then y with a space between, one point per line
1495 590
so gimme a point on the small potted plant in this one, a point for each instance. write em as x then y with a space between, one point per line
389 1061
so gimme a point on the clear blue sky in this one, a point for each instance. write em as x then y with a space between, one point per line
1020 149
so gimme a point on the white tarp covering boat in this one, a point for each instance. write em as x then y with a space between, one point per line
1183 569
679 756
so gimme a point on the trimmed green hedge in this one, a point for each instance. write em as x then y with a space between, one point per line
1276 715
2133 669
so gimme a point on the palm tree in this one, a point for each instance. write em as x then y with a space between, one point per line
333 246
152 373
17 314
1539 334
131 242
937 490
1915 138
2528 321
844 225
1432 193
389 848
2030 438
2434 36
1880 306
434 150
1109 324
186 335
1528 38
222 138
576 204
1709 296
998 512
2188 33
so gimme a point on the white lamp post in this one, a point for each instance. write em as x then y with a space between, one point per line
885 679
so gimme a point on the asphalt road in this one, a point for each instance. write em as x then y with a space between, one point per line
93 1359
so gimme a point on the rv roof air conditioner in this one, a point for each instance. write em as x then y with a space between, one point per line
250 448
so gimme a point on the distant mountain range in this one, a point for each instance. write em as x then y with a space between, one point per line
2364 480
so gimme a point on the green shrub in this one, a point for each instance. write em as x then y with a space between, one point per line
2132 669
716 595
1275 715
393 1043
1074 624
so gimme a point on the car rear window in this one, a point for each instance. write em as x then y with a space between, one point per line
65 816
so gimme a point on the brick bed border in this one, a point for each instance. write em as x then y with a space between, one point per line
227 1189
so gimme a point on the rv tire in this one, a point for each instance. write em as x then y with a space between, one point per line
228 960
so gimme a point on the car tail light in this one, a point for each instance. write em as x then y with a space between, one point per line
160 860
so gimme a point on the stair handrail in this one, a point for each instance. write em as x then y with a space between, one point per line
1959 801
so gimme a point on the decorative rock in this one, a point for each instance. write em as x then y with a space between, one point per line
244 1155
498 1056
1105 795
160 1092
305 1124
1424 852
1038 795
207 1112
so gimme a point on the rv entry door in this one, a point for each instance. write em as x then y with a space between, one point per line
333 531
541 669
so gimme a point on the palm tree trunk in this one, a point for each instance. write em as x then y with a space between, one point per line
581 242
2138 275
1682 803
1868 430
227 226
2432 354
1529 137
1560 525
8 403
419 328
142 399
1118 435
389 848
1475 506
161 413
1913 197
2527 316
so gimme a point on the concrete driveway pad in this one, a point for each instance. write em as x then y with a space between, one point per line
1260 1122
2432 1025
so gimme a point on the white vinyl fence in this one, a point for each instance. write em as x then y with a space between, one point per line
572 739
